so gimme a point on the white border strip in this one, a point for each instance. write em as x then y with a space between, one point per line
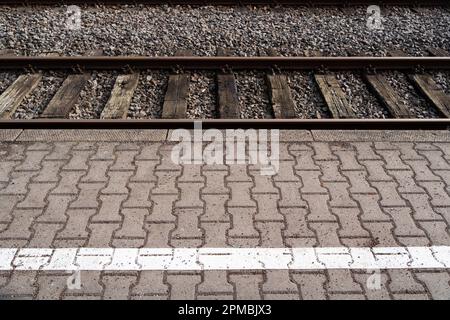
131 259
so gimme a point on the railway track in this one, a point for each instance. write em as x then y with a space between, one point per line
239 2
174 107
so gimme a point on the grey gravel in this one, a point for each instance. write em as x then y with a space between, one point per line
308 101
253 96
443 80
38 100
148 97
161 30
6 78
202 96
364 104
409 95
94 96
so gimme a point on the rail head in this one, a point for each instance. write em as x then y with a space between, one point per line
290 124
219 63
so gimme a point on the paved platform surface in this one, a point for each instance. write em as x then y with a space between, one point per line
120 189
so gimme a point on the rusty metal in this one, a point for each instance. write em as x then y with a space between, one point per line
297 124
235 2
218 63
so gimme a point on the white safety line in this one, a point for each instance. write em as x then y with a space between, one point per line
119 259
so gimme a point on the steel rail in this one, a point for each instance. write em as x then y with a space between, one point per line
217 63
235 2
307 124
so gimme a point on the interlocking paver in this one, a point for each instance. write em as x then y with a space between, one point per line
247 285
131 195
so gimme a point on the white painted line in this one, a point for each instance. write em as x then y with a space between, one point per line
132 259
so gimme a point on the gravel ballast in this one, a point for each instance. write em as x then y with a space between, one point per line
162 30
247 30
35 103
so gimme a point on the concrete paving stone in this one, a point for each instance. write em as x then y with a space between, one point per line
101 234
247 285
97 171
404 281
215 282
132 223
348 160
88 195
437 232
374 284
51 287
286 172
404 222
382 233
327 233
183 286
215 182
19 228
18 182
44 234
437 283
32 160
240 195
6 167
105 151
139 195
189 195
421 206
296 224
109 208
20 284
312 285
68 183
350 222
267 207
151 283
444 147
376 170
215 210
311 182
7 204
342 281
374 193
319 209
56 208
331 171
117 183
389 194
290 195
117 287
271 233
49 172
166 182
78 160
436 159
158 234
76 225
187 225
422 171
304 160
439 196
393 160
124 160
339 193
61 151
